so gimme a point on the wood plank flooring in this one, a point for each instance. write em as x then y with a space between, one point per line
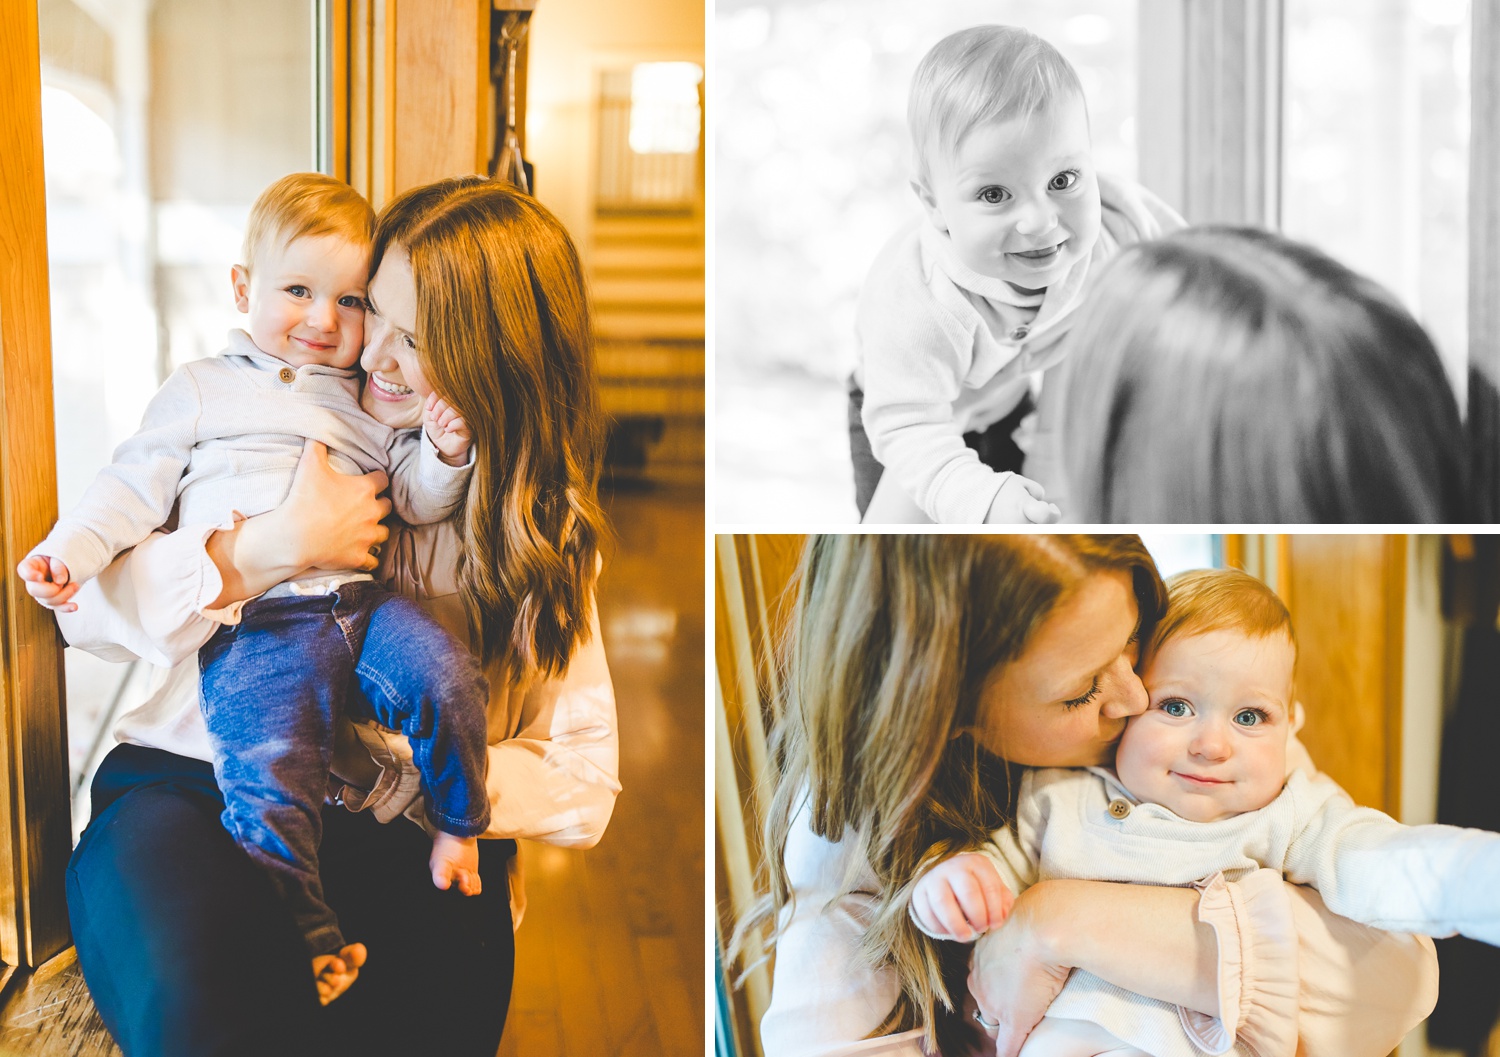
610 957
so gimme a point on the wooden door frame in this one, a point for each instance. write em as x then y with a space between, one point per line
35 822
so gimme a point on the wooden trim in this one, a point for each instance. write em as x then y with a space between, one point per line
1484 259
413 90
339 29
1394 575
1210 88
35 829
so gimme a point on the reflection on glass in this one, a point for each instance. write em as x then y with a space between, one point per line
1377 149
161 121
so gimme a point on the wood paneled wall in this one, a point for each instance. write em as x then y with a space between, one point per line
412 92
1347 597
35 835
753 577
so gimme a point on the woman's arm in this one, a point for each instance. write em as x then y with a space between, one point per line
165 597
554 773
1260 958
824 998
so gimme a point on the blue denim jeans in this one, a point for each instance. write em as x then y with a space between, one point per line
273 686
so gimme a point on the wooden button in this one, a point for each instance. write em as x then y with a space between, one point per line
1119 807
288 375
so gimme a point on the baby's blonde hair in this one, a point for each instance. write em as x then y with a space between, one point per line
980 75
1230 375
302 204
1204 600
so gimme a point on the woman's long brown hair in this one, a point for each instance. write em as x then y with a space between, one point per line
504 334
890 641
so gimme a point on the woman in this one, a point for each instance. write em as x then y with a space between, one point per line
917 665
1226 375
480 298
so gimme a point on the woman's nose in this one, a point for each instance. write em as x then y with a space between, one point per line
376 332
1129 697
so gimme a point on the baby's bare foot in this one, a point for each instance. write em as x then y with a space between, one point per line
335 972
455 860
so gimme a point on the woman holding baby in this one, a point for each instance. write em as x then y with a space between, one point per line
897 748
478 300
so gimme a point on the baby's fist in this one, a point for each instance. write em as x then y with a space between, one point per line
961 898
49 582
1021 501
447 430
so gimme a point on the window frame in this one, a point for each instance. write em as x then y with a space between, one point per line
35 824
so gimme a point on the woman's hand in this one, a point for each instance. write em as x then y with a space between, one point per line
328 520
332 520
1014 973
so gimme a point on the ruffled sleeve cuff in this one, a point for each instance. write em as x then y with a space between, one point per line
1257 970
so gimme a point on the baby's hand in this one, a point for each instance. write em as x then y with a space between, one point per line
1021 500
49 582
961 898
449 434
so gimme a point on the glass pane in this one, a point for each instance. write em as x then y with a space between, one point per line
812 177
161 122
1377 149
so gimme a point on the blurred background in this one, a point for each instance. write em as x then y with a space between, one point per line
1350 130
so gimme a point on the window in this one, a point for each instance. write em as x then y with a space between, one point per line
1377 150
154 151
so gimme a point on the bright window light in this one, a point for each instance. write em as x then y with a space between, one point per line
664 115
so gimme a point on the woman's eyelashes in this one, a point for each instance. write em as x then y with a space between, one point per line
1079 702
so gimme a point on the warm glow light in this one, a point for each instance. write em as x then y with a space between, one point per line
664 114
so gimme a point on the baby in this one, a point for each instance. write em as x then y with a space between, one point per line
221 441
961 313
1200 789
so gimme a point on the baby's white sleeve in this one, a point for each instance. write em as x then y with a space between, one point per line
1433 880
424 489
134 495
914 364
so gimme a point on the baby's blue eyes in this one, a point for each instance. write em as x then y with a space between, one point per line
1064 181
994 195
347 301
1245 717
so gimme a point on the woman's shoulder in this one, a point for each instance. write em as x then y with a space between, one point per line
814 862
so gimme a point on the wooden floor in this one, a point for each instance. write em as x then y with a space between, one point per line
610 958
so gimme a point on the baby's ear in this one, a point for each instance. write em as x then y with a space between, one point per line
239 275
929 203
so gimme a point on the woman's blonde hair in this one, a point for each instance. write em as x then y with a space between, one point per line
978 76
890 641
504 335
1232 375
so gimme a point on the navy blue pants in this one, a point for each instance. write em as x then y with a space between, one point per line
189 952
274 685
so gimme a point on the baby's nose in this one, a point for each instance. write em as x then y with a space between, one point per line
322 314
